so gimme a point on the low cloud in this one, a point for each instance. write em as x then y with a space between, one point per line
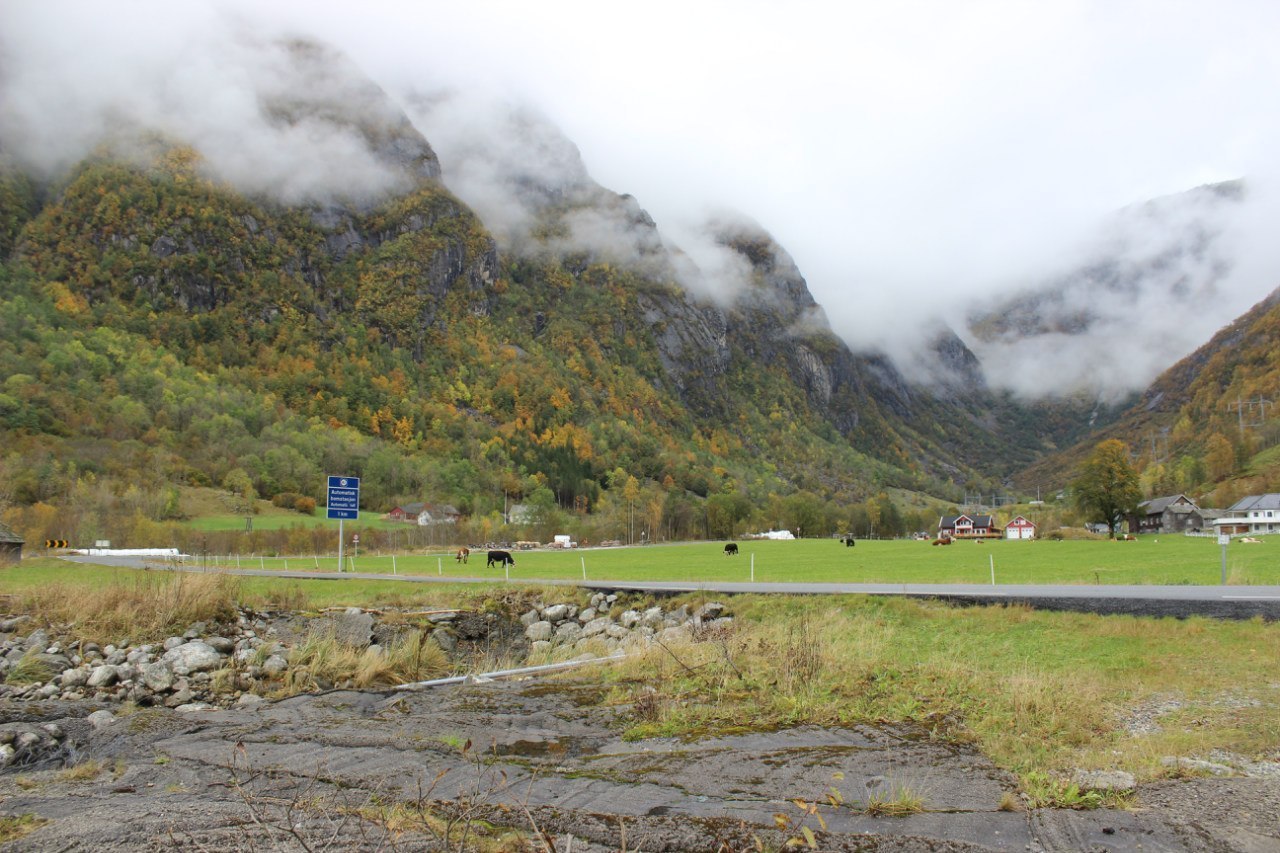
910 182
267 113
1157 282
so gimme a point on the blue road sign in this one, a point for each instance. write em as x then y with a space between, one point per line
344 498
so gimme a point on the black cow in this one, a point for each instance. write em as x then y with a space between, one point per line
848 542
731 549
502 558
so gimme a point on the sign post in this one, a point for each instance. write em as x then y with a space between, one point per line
1223 539
343 502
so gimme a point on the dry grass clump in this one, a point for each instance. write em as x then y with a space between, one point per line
323 659
144 607
83 772
902 801
29 670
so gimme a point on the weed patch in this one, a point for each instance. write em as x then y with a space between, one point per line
15 827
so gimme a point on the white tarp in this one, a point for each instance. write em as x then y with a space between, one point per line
773 534
131 552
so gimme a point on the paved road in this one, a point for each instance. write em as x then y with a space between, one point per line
1231 602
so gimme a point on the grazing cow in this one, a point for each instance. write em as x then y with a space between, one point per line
463 554
942 540
848 542
502 558
731 550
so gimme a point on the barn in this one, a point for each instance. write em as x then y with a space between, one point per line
1020 528
10 545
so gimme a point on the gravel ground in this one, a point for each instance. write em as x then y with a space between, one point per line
325 771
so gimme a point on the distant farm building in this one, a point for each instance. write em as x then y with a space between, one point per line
1020 528
424 514
407 513
1169 514
10 545
968 527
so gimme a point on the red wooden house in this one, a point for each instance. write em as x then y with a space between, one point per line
967 527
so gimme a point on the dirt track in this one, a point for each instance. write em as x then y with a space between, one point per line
314 771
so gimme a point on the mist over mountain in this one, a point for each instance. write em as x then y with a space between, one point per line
1158 280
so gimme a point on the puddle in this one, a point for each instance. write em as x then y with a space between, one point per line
537 748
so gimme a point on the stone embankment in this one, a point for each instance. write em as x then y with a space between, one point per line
237 663
599 625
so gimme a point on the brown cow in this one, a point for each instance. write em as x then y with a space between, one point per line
462 555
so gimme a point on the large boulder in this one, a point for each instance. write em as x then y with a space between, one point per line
539 631
102 676
156 676
194 656
556 613
596 626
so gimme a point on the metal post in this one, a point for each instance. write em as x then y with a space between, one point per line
340 537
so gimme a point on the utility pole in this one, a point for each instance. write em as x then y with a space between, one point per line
1258 404
1238 407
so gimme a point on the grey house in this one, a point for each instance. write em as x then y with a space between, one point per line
10 545
1169 514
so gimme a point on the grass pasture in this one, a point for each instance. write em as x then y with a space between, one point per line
274 518
1167 560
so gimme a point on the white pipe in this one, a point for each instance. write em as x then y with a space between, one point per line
508 673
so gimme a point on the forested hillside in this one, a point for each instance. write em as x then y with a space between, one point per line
1208 426
160 329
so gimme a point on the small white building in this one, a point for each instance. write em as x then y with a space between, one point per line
1020 528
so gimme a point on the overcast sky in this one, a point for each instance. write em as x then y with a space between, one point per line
907 154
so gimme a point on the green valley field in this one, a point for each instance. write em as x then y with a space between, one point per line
1150 560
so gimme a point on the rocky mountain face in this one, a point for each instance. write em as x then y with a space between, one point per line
497 296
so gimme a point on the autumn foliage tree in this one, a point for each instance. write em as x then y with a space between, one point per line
1107 488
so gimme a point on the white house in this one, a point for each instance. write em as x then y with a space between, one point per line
438 514
1020 528
1254 514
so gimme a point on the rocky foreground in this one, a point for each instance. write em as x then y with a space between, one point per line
203 762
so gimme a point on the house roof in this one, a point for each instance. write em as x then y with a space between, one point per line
439 509
1252 502
1157 506
1021 521
410 509
7 535
978 520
